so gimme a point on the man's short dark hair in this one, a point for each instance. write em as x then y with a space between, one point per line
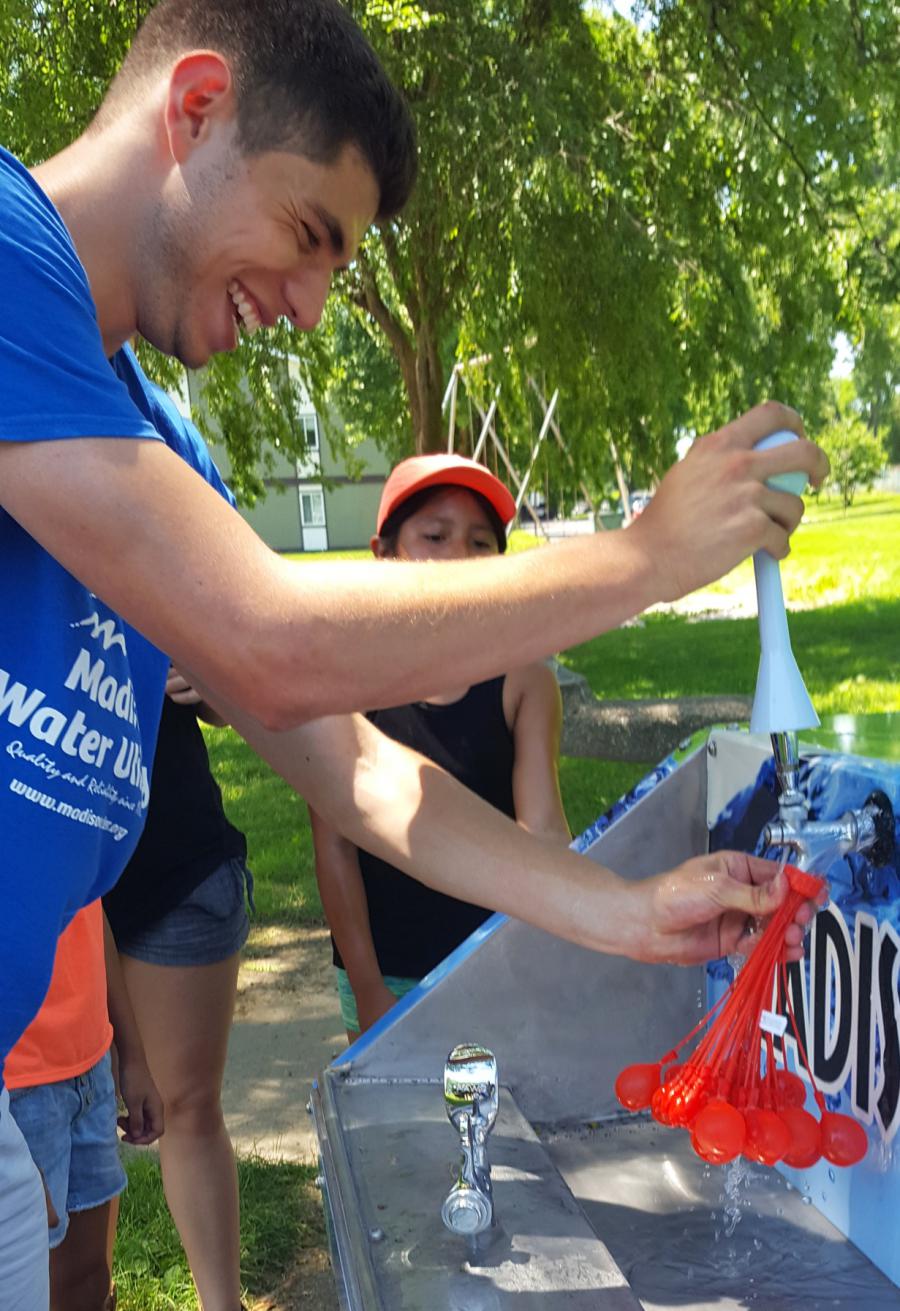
305 77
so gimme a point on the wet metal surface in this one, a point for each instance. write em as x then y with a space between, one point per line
542 1255
687 1234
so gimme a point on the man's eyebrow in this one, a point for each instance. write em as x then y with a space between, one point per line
332 227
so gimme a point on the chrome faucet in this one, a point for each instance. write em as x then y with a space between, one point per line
819 842
782 706
471 1096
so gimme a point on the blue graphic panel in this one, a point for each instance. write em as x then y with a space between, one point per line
845 993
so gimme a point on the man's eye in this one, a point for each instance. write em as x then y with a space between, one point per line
312 242
434 537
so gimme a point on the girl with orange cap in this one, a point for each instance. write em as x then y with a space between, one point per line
500 738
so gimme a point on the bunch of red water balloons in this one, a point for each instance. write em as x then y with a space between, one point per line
723 1096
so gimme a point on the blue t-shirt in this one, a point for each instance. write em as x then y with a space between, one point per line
80 690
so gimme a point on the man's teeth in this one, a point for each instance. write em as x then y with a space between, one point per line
250 320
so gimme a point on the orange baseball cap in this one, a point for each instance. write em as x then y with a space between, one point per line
420 471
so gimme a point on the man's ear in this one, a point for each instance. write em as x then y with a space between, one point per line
200 96
378 548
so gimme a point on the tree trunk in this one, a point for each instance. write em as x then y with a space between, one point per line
620 479
416 351
429 383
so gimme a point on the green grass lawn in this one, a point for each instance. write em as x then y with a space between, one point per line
842 587
837 556
281 1216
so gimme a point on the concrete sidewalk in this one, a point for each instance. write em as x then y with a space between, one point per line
287 1028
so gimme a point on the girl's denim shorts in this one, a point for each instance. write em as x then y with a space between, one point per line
70 1129
210 925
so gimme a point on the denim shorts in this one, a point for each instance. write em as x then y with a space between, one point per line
207 927
70 1129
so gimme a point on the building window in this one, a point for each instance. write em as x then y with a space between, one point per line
309 426
312 509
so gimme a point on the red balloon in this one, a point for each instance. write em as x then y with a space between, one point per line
806 1139
702 1153
713 1157
720 1130
844 1140
672 1073
790 1090
636 1085
686 1103
660 1105
768 1137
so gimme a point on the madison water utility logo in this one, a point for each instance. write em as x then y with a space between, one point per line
102 630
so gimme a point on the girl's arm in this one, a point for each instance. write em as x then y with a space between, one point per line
343 896
143 1121
534 709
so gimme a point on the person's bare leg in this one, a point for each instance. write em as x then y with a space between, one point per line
80 1267
184 1016
112 1223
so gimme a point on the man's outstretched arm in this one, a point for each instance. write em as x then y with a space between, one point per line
288 642
405 809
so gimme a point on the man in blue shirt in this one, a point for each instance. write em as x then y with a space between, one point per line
235 164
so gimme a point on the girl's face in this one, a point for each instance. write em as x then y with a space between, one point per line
452 525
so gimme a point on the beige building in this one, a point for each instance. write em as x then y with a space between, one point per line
313 504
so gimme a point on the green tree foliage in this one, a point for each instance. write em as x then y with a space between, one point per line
668 221
876 374
811 91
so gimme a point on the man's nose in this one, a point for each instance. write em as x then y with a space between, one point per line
306 294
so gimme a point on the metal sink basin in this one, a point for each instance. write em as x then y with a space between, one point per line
596 1209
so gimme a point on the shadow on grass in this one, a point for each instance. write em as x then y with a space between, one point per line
840 649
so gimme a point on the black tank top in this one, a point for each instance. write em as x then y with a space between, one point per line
414 927
187 835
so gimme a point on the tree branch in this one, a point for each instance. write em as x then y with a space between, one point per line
370 299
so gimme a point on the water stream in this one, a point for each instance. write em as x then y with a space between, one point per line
690 1235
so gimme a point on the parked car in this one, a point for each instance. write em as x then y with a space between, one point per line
538 505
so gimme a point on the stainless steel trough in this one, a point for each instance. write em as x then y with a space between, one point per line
594 1208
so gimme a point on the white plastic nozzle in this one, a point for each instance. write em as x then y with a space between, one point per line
781 703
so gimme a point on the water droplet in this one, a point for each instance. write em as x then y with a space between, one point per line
806 1200
831 1175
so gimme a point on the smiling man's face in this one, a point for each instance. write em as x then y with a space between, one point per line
236 242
